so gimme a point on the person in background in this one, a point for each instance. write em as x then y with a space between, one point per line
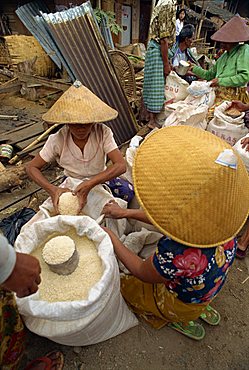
178 282
230 74
81 146
19 273
181 51
243 242
157 66
181 15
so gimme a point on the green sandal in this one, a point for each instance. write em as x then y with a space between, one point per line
210 316
192 330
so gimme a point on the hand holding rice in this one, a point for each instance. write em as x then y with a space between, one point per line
68 204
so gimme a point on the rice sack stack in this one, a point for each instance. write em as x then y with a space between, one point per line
80 288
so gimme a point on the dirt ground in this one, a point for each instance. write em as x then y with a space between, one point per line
224 347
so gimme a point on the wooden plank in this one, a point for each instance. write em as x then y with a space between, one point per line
10 86
3 116
23 144
23 133
43 81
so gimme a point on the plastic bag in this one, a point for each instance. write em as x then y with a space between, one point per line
200 93
77 323
175 88
11 226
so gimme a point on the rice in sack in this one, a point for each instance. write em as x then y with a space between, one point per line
78 312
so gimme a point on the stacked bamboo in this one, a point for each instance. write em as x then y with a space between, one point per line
21 48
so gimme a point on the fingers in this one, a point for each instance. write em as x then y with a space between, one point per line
28 291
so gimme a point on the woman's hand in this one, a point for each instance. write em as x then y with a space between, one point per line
239 105
214 82
245 143
113 210
55 194
82 192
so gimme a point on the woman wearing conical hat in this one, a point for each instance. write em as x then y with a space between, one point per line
81 146
197 197
230 74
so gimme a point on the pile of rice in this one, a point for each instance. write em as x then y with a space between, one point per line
76 286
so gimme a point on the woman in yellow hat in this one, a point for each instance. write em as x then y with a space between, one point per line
81 146
230 74
194 189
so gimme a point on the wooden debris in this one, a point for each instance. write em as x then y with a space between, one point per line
245 280
12 177
6 72
2 168
11 86
56 84
36 141
2 116
22 133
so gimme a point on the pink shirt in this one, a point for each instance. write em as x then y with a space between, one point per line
61 148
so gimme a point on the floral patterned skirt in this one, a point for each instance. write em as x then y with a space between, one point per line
11 332
156 304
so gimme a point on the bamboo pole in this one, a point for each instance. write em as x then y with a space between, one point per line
36 141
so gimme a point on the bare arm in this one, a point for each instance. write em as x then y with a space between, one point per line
117 168
33 169
164 51
113 210
142 269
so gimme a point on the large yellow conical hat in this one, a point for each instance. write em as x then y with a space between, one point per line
192 186
79 105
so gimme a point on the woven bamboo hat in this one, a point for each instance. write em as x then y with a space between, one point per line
184 185
234 30
79 105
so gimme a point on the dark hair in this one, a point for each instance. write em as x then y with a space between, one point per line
187 32
181 10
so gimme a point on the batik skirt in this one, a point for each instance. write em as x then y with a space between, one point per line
12 333
156 304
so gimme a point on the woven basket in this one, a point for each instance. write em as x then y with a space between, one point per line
21 48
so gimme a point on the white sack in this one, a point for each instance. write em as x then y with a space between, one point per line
242 152
188 115
137 241
77 323
175 87
96 200
227 128
200 93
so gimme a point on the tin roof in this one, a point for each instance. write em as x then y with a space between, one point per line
214 8
74 37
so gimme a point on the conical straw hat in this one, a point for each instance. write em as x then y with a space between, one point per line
184 192
234 30
79 105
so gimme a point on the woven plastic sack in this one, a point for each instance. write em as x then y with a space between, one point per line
96 200
78 323
242 152
227 128
200 92
175 88
188 115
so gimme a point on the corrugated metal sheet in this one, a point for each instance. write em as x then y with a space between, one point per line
77 38
29 14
